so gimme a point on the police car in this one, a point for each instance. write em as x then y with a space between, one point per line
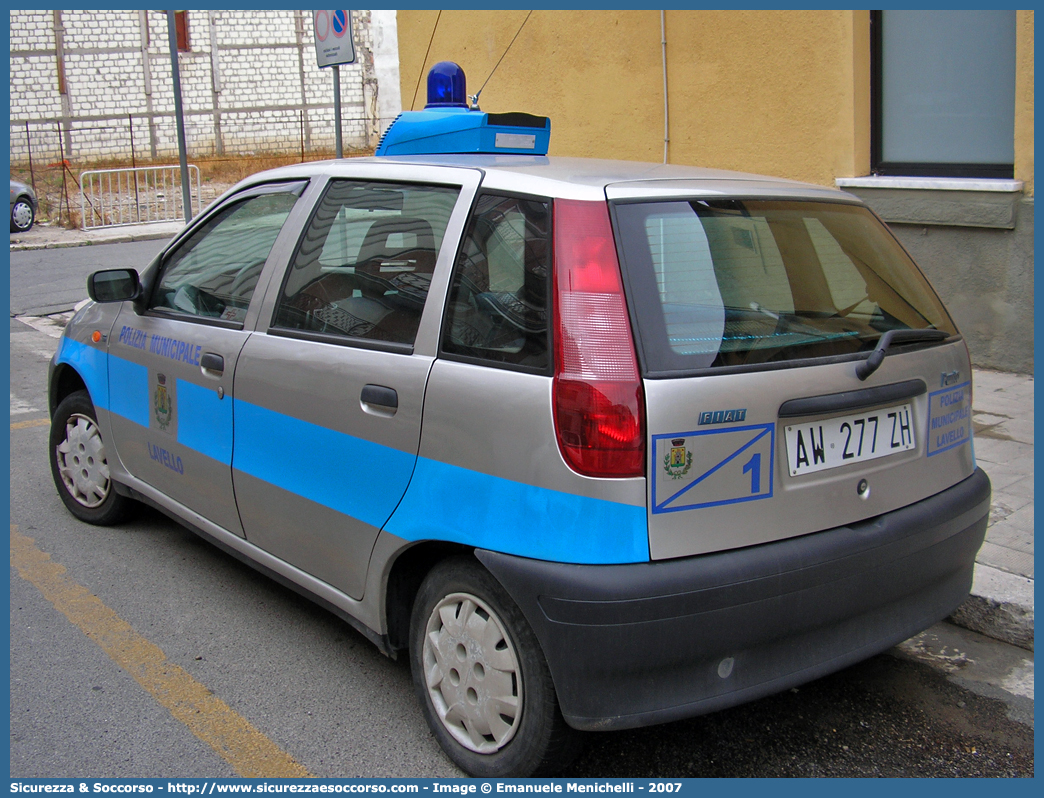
595 444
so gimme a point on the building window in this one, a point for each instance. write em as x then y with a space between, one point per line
943 93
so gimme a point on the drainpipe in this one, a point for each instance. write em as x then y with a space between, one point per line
663 52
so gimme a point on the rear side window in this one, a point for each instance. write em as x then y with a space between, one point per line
364 265
498 309
735 283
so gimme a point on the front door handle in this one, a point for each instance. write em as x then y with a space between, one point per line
212 365
380 396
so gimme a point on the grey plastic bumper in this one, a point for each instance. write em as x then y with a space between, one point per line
633 645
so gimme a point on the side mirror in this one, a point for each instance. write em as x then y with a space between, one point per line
114 285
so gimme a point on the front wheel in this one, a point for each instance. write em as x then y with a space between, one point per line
482 679
22 215
80 465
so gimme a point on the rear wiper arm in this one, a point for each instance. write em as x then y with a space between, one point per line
871 364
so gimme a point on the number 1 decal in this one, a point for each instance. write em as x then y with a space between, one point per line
754 467
710 468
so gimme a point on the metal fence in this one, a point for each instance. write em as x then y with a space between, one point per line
138 195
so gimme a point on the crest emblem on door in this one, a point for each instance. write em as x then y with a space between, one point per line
163 404
678 459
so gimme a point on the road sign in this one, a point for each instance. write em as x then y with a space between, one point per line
334 40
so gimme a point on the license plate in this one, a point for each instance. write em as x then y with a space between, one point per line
835 442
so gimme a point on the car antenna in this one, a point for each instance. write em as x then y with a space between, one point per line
474 97
421 74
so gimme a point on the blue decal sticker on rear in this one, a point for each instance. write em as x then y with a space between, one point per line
713 467
447 502
949 418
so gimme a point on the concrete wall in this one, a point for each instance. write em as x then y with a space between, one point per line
249 83
976 247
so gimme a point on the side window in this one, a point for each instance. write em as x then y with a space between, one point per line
498 309
365 263
214 273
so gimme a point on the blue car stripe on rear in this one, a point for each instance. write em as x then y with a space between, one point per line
447 502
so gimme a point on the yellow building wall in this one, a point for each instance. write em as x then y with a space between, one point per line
783 93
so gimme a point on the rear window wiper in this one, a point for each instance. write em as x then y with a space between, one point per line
873 362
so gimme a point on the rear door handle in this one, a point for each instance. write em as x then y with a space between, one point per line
380 396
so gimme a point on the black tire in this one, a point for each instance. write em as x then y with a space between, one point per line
22 215
79 464
495 650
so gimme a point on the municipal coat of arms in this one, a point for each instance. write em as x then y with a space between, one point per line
162 403
678 459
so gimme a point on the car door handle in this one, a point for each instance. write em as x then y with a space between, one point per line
380 396
212 364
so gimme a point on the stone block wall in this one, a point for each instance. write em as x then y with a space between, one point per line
249 84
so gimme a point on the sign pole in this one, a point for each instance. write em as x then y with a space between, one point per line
186 190
334 45
337 110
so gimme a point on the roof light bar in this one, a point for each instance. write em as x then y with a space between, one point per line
448 126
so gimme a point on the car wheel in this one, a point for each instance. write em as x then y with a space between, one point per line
22 215
481 677
80 466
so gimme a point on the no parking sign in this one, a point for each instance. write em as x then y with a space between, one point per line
334 41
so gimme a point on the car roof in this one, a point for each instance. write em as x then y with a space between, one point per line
580 178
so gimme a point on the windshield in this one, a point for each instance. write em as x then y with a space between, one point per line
745 282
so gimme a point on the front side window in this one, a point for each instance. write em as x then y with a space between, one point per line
498 309
740 283
214 273
365 263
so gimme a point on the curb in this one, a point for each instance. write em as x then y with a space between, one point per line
1000 606
122 239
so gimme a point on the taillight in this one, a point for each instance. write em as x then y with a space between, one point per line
599 404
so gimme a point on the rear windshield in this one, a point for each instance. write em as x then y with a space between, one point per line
744 282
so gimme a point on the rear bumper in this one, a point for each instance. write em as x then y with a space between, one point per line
633 645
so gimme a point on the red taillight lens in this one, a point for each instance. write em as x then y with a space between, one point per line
599 404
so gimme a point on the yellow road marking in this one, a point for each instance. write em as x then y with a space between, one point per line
213 721
36 422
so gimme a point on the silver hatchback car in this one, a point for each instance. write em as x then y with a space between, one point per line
595 444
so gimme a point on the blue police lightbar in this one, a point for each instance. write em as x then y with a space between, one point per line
448 126
447 86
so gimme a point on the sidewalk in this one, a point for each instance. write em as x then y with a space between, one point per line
1001 604
45 236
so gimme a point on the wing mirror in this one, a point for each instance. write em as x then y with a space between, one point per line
114 285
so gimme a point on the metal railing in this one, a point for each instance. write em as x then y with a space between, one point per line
139 195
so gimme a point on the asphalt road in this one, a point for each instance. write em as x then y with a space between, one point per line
45 281
317 691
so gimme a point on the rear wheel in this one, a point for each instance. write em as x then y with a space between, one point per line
481 677
80 465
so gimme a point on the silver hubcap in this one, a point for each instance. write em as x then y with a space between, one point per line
82 463
22 213
472 673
